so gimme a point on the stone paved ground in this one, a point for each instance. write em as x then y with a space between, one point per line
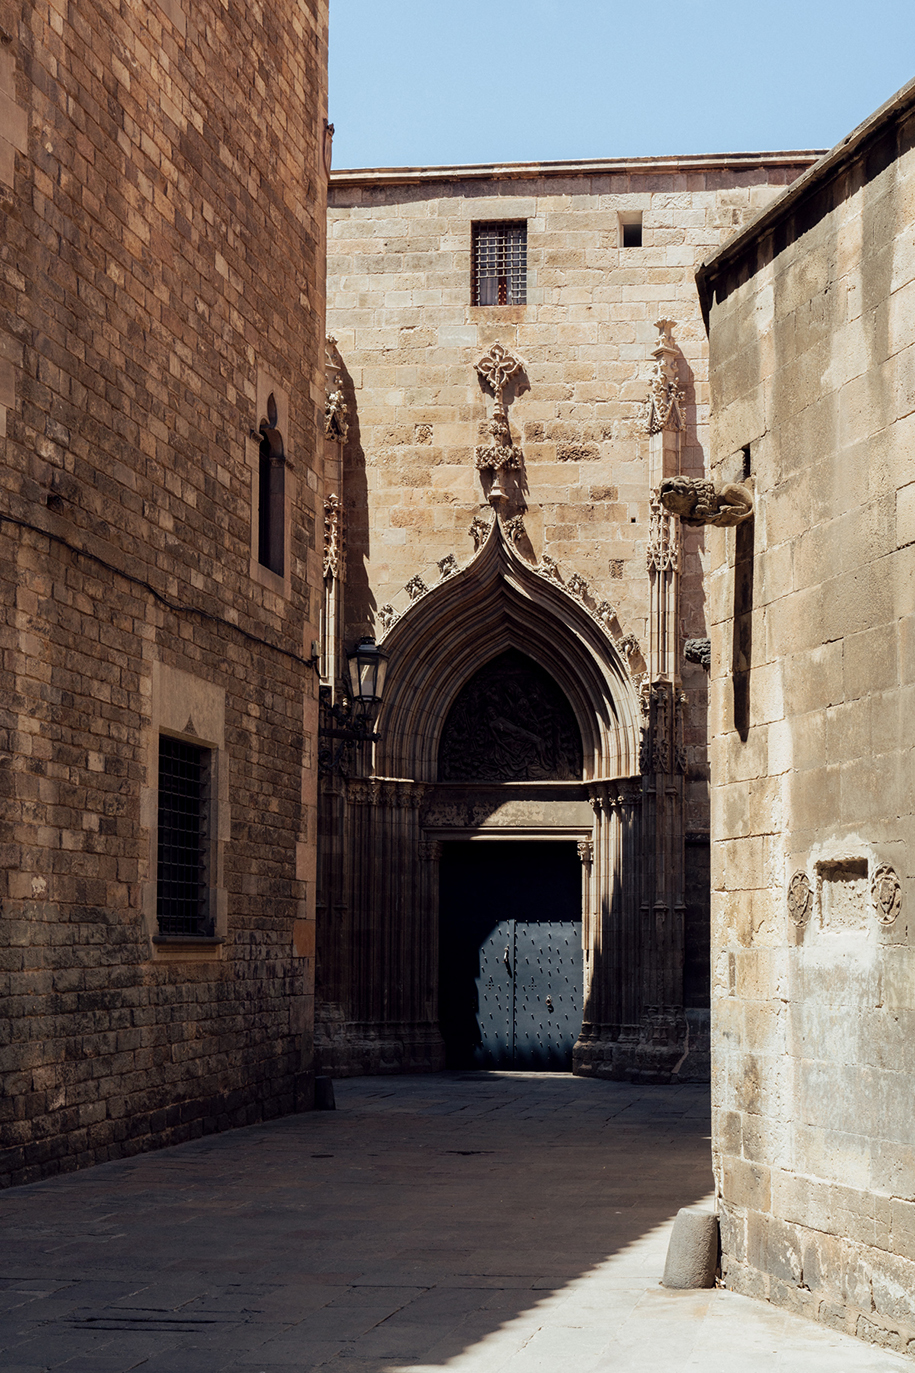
475 1223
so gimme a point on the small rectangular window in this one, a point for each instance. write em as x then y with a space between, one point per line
499 272
182 891
631 229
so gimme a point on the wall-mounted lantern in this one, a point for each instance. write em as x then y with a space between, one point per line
349 721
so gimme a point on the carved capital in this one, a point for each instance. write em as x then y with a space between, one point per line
430 850
628 792
586 851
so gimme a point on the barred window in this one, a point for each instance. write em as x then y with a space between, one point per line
499 263
182 904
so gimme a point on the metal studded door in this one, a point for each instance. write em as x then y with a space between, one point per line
511 960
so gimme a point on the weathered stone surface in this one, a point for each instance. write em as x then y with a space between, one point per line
692 1254
812 628
596 410
161 274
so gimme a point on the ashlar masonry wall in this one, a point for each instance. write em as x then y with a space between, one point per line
399 266
812 359
407 339
163 187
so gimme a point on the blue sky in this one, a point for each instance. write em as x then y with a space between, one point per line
449 81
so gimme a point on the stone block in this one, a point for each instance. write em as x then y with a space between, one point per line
746 1184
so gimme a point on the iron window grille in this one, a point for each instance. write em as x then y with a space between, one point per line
182 895
499 274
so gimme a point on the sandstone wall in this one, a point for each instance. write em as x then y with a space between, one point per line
163 190
813 370
399 292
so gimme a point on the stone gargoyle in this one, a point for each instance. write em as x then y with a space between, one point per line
699 502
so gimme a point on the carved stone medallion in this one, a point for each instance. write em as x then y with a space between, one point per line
800 898
886 893
510 723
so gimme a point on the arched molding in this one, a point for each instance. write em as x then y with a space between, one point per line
496 602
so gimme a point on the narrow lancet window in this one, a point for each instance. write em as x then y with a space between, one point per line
271 510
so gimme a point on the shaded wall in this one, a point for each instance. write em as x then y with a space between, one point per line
162 275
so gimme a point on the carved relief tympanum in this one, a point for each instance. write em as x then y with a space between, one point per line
510 723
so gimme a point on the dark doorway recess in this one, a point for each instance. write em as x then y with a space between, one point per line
510 954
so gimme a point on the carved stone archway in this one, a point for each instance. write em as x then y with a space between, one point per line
379 958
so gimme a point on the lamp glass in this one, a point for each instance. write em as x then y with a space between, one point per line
367 666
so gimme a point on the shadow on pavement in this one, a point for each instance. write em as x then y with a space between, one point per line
425 1218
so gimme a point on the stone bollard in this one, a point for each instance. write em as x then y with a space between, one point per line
324 1094
692 1255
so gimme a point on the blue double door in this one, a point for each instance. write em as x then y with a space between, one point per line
510 985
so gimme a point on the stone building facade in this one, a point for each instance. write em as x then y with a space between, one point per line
163 172
812 358
517 359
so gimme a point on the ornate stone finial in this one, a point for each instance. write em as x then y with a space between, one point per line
334 535
478 531
497 367
700 502
662 408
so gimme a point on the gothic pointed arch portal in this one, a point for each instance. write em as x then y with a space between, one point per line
556 760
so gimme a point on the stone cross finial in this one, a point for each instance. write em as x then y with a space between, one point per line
497 367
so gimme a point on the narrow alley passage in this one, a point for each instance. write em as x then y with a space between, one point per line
469 1222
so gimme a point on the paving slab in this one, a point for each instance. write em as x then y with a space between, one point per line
479 1223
